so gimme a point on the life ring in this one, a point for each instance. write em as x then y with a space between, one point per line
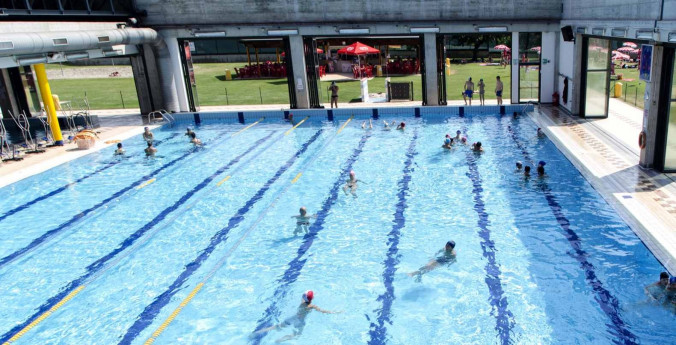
641 139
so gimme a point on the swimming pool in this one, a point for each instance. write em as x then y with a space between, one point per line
196 246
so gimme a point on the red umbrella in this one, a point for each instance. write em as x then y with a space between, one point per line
620 56
629 44
319 51
502 47
358 48
625 49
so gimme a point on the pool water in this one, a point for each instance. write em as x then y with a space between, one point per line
196 246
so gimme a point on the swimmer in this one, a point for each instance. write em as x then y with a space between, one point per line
401 126
150 150
303 221
194 140
148 135
188 131
515 115
655 290
540 133
457 135
463 140
670 291
387 126
541 168
448 143
444 256
476 147
297 320
351 184
120 150
363 125
519 166
526 171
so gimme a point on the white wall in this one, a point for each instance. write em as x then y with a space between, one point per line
566 61
548 66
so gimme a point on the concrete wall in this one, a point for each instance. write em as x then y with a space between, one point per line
613 9
295 12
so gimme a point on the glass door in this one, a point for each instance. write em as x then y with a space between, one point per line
596 77
670 147
530 46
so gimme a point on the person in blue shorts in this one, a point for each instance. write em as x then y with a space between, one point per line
469 90
498 89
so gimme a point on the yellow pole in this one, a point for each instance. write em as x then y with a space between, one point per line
48 101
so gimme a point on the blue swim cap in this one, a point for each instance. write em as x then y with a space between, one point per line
542 163
447 141
672 280
452 244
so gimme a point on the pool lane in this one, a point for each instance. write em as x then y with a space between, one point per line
607 302
69 185
117 197
94 268
378 329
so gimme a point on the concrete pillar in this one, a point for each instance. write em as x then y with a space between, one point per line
177 72
299 76
514 88
651 100
7 99
153 75
431 80
548 77
145 99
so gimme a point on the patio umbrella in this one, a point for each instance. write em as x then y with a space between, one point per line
357 49
536 49
629 44
620 56
502 47
626 49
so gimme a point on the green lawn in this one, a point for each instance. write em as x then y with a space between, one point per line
104 93
633 90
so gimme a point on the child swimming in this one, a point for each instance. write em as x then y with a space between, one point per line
303 221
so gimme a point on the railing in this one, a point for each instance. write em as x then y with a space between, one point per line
160 115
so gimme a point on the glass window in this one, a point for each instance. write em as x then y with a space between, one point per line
529 81
596 94
598 54
670 152
673 83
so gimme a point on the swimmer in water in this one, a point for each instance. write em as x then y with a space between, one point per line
448 143
188 131
194 140
401 126
519 166
148 135
476 147
150 150
540 133
363 125
457 135
656 290
463 140
541 168
351 184
297 320
444 256
526 171
120 150
303 221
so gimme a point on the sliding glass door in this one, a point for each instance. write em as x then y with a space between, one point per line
596 77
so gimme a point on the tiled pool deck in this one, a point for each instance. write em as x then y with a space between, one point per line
601 149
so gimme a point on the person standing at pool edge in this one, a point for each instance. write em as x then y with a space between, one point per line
334 94
469 90
481 91
297 320
498 89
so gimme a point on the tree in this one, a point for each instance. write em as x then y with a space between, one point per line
477 40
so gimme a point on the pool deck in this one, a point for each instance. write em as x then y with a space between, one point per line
605 152
113 127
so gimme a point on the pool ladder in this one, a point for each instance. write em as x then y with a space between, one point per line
160 115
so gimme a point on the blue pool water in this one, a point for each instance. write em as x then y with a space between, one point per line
539 261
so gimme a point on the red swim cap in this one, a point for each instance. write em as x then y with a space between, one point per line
308 296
